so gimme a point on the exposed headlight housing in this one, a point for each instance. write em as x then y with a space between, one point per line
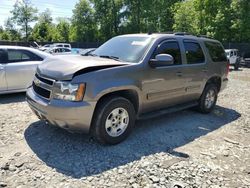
68 91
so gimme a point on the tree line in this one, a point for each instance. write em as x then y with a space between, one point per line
99 20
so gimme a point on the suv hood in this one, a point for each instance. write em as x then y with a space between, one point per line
64 67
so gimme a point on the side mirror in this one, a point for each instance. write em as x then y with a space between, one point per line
161 60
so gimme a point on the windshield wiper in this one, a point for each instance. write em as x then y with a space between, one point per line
110 57
89 54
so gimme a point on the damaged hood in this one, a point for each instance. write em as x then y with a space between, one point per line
64 67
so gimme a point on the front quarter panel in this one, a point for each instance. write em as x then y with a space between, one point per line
102 82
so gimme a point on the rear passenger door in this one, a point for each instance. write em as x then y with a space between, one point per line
20 68
196 69
3 61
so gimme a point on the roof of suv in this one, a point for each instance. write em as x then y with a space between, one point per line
173 35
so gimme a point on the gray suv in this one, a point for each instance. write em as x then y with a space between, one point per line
129 77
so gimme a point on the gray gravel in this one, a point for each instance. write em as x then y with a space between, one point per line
183 149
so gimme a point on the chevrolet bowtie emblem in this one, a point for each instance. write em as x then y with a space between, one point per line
37 82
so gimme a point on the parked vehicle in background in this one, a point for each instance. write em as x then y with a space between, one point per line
17 67
45 47
129 77
48 47
59 50
62 45
245 61
233 58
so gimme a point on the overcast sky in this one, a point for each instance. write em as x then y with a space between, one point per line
59 8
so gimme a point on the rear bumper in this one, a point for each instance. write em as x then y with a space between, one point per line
72 116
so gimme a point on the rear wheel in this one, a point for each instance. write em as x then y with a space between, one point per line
113 120
208 99
236 67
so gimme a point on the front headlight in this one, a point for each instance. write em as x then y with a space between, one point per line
68 91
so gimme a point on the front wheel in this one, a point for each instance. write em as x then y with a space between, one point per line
208 99
113 120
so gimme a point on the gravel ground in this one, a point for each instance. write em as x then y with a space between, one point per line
183 149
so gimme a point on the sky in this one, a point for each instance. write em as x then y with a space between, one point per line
59 8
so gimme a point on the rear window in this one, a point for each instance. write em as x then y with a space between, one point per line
216 51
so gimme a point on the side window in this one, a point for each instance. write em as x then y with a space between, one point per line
21 55
17 56
172 48
216 51
231 54
3 58
194 52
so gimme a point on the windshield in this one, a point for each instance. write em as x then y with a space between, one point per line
124 48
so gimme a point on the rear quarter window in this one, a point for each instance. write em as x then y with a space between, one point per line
216 51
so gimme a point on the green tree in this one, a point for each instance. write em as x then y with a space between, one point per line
108 16
11 31
62 30
84 27
241 23
185 17
3 34
43 29
149 15
24 14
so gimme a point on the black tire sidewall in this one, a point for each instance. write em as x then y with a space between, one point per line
104 110
202 105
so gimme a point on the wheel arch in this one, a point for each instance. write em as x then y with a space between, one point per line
215 80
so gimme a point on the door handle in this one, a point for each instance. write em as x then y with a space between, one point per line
179 74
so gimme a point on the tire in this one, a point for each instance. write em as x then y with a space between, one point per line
113 120
205 106
236 67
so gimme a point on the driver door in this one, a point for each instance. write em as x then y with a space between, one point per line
3 61
166 84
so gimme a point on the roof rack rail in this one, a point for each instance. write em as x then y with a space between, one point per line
167 32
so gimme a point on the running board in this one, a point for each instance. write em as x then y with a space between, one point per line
167 110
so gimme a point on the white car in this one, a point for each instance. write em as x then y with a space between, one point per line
17 67
233 57
62 45
45 47
59 50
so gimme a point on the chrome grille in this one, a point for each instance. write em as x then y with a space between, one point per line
43 86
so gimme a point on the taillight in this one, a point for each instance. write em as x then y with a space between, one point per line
228 68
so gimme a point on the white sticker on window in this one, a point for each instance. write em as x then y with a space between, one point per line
139 43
